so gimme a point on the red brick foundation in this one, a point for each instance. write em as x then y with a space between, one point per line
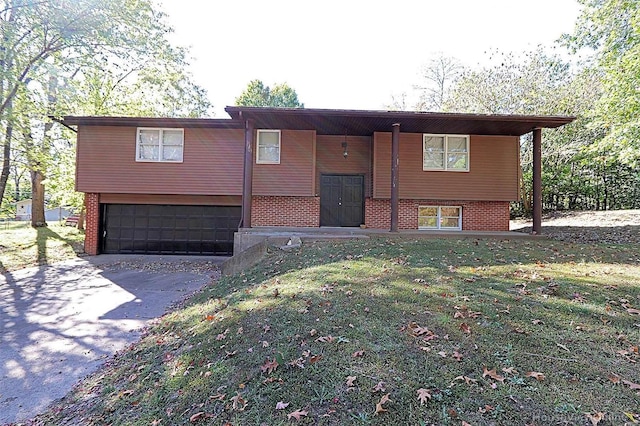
285 211
476 215
92 223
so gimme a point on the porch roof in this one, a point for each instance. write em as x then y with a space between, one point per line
364 123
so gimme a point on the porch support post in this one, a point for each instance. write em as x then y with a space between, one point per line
395 170
537 181
247 179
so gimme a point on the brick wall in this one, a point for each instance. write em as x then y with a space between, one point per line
285 211
92 223
476 215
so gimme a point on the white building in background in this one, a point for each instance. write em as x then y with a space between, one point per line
23 212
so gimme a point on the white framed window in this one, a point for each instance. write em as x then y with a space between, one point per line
154 144
445 152
440 217
268 151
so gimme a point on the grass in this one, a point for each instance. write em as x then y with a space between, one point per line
22 246
392 318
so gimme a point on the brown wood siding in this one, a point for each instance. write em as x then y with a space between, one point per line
330 158
493 174
294 176
212 163
187 200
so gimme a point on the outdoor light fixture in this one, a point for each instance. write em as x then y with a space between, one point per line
344 149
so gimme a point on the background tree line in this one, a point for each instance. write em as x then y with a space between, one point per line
590 164
80 57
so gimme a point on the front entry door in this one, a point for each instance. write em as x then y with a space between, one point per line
341 200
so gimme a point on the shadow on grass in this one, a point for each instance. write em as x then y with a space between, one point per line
44 234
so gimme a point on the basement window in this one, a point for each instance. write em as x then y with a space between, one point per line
164 145
445 152
440 217
268 151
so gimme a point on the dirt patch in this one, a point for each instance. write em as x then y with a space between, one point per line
615 227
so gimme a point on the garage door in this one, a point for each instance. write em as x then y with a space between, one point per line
168 229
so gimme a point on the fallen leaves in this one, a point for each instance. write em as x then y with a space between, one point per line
423 395
297 414
269 366
464 327
595 418
238 402
281 405
383 400
536 375
493 374
350 380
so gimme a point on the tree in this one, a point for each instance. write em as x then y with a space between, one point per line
440 75
612 29
51 52
259 95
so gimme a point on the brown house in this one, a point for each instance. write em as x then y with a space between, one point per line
173 185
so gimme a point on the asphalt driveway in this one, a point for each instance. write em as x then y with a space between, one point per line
59 323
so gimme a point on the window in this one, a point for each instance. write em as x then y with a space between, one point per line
268 147
445 152
440 217
160 145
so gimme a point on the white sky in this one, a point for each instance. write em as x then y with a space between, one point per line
350 54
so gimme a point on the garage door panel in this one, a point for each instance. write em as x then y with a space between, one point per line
169 229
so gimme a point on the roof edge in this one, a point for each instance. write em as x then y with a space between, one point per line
547 121
228 123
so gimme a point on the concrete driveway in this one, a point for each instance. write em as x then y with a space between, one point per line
59 323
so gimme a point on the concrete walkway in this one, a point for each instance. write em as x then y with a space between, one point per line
58 323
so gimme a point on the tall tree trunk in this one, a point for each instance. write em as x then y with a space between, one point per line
6 161
38 172
37 199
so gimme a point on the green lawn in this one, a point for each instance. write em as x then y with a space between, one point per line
382 332
22 246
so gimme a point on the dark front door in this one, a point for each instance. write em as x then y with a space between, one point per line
341 200
168 229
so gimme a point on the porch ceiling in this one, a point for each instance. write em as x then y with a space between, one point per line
364 123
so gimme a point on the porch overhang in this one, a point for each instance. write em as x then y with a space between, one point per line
365 123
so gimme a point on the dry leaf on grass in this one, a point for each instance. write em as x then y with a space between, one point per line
423 395
464 327
379 387
269 366
383 400
595 418
350 380
493 374
239 402
357 354
632 386
536 375
281 405
196 417
297 414
468 380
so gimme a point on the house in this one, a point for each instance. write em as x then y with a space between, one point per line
182 185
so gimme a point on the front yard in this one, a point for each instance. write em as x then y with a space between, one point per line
416 332
23 246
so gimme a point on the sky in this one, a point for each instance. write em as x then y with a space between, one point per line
350 54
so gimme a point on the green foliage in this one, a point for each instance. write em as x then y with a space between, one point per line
258 95
86 57
612 29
